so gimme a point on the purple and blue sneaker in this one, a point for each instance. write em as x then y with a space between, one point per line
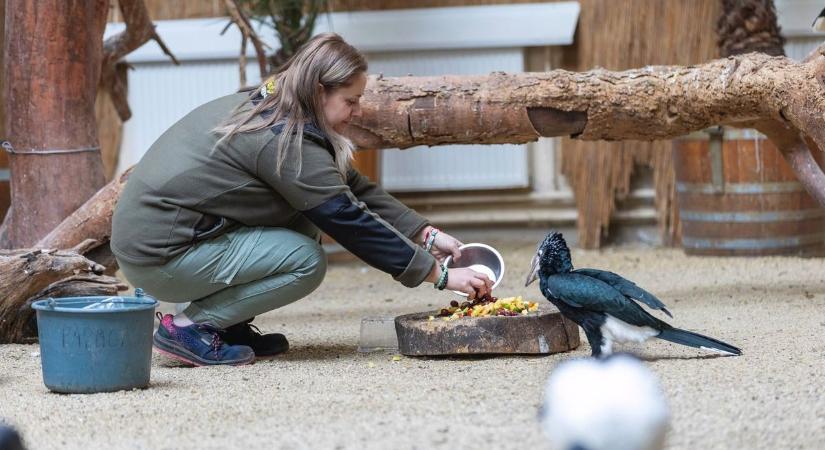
198 344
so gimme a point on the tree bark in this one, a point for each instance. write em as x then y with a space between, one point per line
27 275
52 50
655 102
93 220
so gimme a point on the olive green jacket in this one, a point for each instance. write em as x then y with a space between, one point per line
187 189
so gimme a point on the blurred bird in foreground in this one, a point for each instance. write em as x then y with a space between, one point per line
609 404
604 304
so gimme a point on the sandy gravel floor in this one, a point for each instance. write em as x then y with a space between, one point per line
324 394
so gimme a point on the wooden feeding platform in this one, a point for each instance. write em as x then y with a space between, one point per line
540 332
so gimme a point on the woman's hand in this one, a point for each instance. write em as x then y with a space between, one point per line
445 245
463 279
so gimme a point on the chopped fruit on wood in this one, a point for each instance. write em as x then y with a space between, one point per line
488 306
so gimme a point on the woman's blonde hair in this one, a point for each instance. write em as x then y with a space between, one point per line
326 59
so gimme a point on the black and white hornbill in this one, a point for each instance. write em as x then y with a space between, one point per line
604 304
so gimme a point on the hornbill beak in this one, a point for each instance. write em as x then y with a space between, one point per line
534 270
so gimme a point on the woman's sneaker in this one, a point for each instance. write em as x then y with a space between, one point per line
198 344
264 345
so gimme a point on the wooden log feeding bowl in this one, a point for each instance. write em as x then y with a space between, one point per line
737 195
541 332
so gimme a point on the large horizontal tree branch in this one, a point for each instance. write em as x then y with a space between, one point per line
781 98
656 102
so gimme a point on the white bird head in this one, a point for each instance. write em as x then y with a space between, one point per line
615 404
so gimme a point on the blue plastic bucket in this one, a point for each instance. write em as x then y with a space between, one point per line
95 344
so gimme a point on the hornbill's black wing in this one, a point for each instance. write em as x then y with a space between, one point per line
591 294
626 287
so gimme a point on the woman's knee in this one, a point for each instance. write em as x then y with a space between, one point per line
315 266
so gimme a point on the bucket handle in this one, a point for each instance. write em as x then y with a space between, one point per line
140 293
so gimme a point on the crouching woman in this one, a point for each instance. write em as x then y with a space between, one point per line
226 208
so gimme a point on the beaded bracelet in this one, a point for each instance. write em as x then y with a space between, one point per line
442 279
428 245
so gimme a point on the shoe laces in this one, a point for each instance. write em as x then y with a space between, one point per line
217 342
245 330
254 330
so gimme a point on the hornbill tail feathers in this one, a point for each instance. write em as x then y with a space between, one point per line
696 340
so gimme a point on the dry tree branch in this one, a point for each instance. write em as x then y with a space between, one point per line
247 33
27 274
139 29
242 61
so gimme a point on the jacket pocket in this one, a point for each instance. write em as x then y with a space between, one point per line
208 226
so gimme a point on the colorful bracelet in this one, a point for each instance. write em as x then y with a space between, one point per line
427 236
430 240
442 279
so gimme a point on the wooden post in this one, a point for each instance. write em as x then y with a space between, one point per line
2 79
4 162
53 51
367 163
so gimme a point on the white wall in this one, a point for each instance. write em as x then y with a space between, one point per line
160 94
429 41
459 167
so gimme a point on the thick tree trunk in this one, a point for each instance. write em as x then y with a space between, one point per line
28 275
53 50
93 221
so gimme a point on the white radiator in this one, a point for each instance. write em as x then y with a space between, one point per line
452 167
161 93
798 47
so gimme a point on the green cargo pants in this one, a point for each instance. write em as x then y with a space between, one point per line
238 275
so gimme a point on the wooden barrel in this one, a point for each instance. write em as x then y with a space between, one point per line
737 195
